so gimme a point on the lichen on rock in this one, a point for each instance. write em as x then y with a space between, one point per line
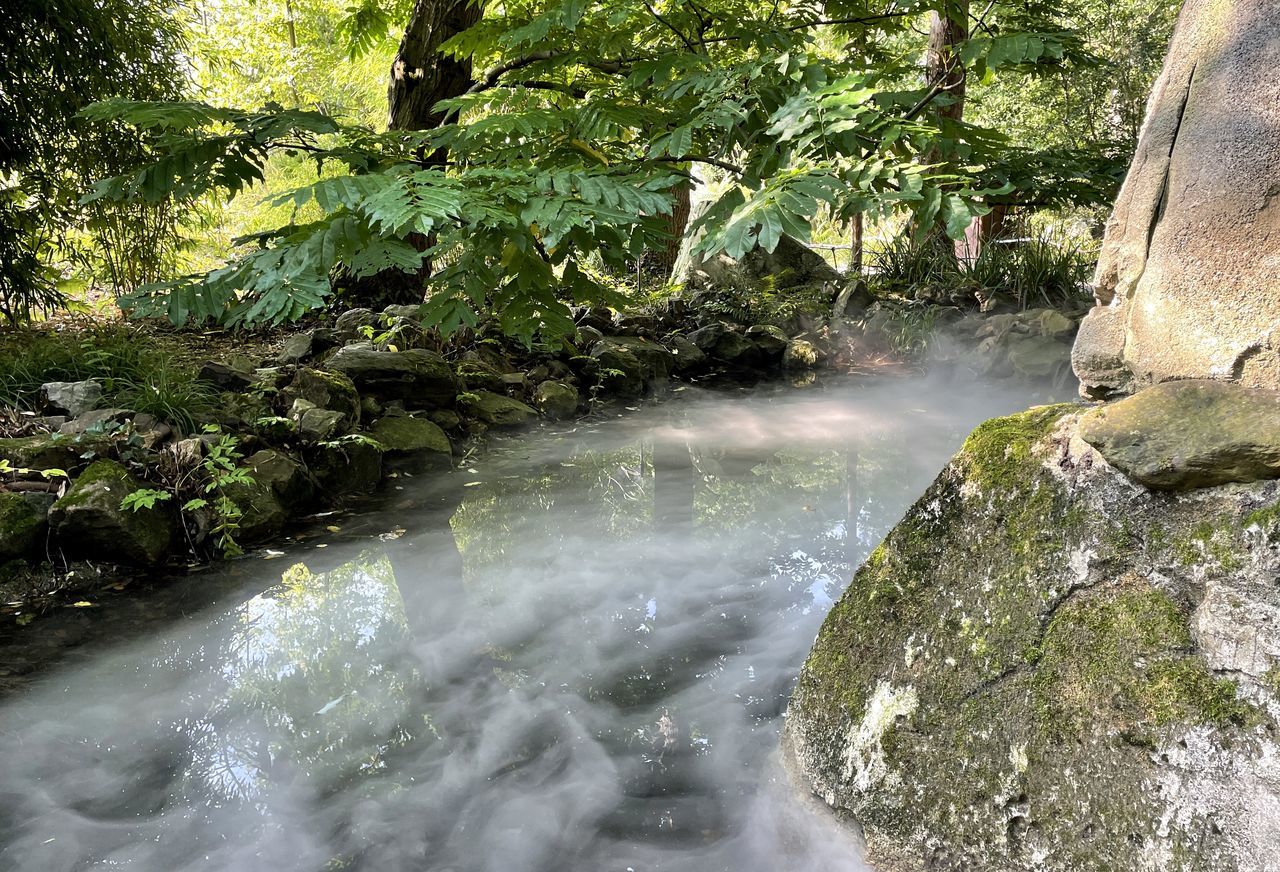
1047 667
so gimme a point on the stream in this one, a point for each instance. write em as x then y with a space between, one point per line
573 652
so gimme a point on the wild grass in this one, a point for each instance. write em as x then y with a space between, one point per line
1028 274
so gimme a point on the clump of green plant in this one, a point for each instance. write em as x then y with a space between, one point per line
134 374
206 487
1037 272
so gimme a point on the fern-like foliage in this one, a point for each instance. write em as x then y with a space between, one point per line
567 149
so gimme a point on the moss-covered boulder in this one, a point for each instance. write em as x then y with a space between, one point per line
262 514
351 465
418 377
1045 667
495 409
21 525
288 478
402 436
89 520
327 390
1192 433
556 400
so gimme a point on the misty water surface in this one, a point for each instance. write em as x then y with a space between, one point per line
572 653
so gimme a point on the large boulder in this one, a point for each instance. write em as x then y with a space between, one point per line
288 478
1045 667
89 520
791 264
1189 434
418 377
556 400
351 465
1191 258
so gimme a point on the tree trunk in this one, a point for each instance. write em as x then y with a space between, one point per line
943 68
677 223
420 75
1188 281
420 78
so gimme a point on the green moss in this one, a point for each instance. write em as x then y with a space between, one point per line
1114 659
1208 541
20 525
998 450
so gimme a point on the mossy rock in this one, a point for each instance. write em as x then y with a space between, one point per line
404 436
346 466
328 390
22 525
262 514
556 400
287 477
1043 667
495 409
55 451
90 522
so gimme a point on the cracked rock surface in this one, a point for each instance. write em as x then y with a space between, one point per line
1047 666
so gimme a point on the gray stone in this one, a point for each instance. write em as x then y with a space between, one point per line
852 301
656 362
350 323
262 514
496 410
1098 354
588 336
706 338
97 421
89 521
347 466
70 398
318 425
1037 356
1188 434
418 377
298 348
1046 669
791 264
556 400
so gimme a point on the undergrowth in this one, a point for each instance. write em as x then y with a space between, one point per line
134 373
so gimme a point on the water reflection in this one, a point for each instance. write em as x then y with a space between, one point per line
576 659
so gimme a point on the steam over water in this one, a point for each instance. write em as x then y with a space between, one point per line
571 654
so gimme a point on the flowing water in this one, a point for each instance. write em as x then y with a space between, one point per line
571 653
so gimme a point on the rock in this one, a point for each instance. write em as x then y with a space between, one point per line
635 325
351 322
496 410
70 398
349 465
477 375
319 425
706 338
288 479
298 348
327 390
556 400
404 435
48 452
22 525
1036 356
771 341
226 377
597 318
97 421
446 419
801 354
791 264
1191 249
737 350
852 301
537 374
1046 668
687 357
1098 354
370 407
89 521
418 377
407 312
262 514
1050 322
1189 434
656 362
588 336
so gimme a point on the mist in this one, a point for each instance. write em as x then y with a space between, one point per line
574 652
